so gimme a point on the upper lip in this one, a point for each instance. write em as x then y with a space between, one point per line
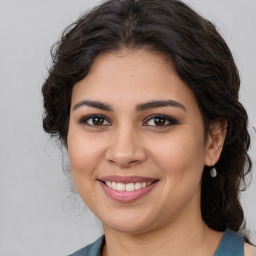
127 179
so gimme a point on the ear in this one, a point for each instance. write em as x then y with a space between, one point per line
215 141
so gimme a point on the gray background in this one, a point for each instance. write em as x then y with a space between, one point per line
39 215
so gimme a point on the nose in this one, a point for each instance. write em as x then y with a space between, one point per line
125 148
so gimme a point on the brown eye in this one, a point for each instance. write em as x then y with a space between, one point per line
160 121
95 120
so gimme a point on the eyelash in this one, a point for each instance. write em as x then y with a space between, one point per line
85 120
170 120
163 118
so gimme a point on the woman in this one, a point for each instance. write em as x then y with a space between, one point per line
144 95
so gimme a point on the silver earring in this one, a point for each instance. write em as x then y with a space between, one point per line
213 172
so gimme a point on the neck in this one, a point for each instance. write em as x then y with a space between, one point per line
180 237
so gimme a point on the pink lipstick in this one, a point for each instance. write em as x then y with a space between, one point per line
127 189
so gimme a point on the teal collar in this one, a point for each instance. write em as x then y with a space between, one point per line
231 244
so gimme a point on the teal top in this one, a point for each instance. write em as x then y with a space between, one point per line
231 244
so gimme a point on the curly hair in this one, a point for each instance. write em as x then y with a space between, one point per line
201 59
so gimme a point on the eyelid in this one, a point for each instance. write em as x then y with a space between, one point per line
84 119
171 120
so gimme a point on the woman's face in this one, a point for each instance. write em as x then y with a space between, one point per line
136 142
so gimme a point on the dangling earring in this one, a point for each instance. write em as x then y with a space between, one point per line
213 171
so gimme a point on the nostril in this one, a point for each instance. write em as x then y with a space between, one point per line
124 163
133 162
121 155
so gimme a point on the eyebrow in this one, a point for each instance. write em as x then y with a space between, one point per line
93 104
139 108
159 104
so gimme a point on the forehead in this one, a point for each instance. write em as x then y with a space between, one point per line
132 76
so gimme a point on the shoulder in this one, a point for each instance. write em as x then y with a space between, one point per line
93 249
249 250
85 251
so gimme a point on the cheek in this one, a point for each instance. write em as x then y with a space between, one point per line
84 156
181 163
83 159
182 157
82 150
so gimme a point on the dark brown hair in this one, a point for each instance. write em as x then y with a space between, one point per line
201 59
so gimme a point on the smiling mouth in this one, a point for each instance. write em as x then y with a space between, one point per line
127 189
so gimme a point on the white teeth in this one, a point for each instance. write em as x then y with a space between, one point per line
127 187
120 187
113 185
109 184
137 186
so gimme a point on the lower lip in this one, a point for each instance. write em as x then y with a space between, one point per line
127 196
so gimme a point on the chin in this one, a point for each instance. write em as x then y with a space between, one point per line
129 223
127 228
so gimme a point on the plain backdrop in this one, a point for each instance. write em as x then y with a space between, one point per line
39 213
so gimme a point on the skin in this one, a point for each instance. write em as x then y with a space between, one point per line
129 142
249 250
